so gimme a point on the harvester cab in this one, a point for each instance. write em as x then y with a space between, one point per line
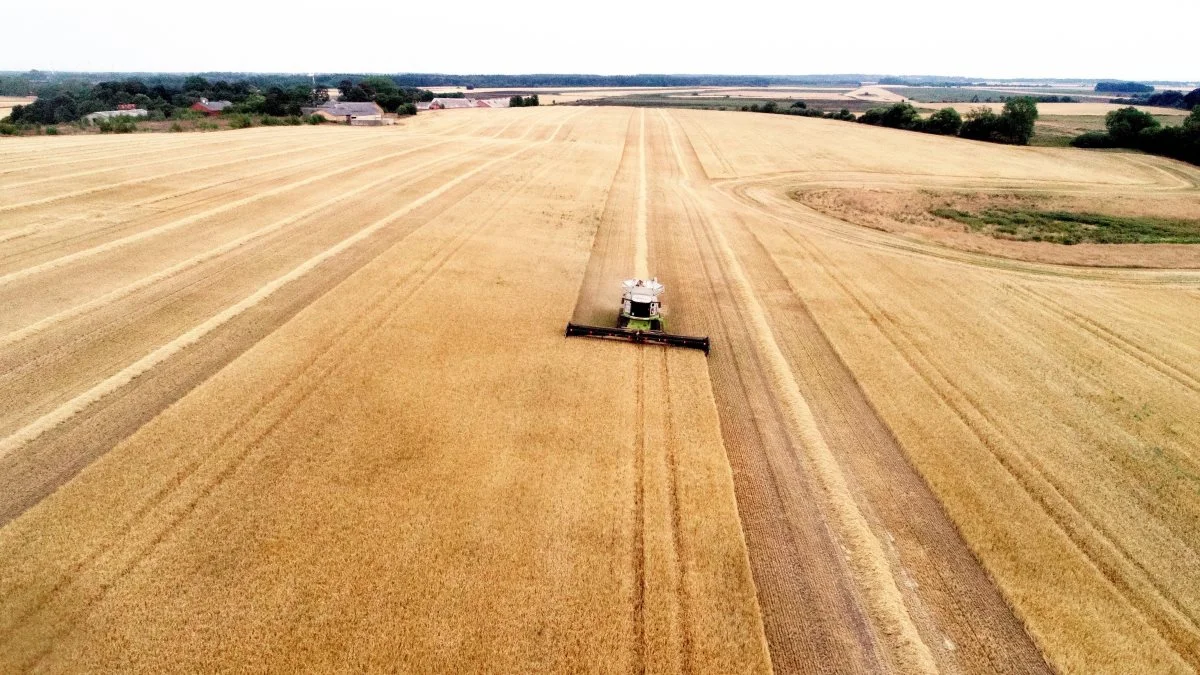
640 319
640 307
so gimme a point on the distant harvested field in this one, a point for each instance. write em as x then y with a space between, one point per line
881 94
299 399
823 94
8 102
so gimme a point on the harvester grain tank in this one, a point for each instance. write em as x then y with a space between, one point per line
640 319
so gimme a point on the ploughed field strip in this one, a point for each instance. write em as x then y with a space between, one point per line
279 398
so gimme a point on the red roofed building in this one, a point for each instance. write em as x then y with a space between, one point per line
210 107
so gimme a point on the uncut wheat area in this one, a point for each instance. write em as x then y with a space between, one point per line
299 399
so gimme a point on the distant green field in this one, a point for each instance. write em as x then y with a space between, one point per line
961 95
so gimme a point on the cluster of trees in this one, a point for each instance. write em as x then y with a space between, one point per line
1132 128
64 102
526 102
15 86
384 91
1013 125
1124 87
800 109
1171 98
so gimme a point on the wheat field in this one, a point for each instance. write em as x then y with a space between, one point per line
299 398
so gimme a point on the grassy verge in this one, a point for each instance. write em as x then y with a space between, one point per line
1067 227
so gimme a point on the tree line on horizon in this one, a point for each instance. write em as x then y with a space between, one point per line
1012 125
1132 128
66 103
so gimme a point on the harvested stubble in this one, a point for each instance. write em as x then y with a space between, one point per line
1046 406
375 449
403 474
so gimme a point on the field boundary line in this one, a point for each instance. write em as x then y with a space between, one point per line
867 556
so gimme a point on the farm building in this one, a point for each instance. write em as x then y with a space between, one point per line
210 107
123 112
367 113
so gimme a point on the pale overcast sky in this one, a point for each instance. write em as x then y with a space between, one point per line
1001 38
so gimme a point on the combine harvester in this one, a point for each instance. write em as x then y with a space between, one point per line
641 319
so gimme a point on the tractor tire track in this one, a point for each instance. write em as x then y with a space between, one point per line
141 219
4 208
181 222
230 246
811 617
36 372
860 441
68 410
378 311
1115 564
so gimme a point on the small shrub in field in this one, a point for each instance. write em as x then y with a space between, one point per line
51 131
205 125
176 127
1094 139
117 125
293 120
269 121
8 130
946 122
315 119
240 121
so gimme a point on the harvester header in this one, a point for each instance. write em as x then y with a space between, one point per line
640 319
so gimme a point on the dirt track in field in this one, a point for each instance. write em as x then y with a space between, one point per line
303 394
